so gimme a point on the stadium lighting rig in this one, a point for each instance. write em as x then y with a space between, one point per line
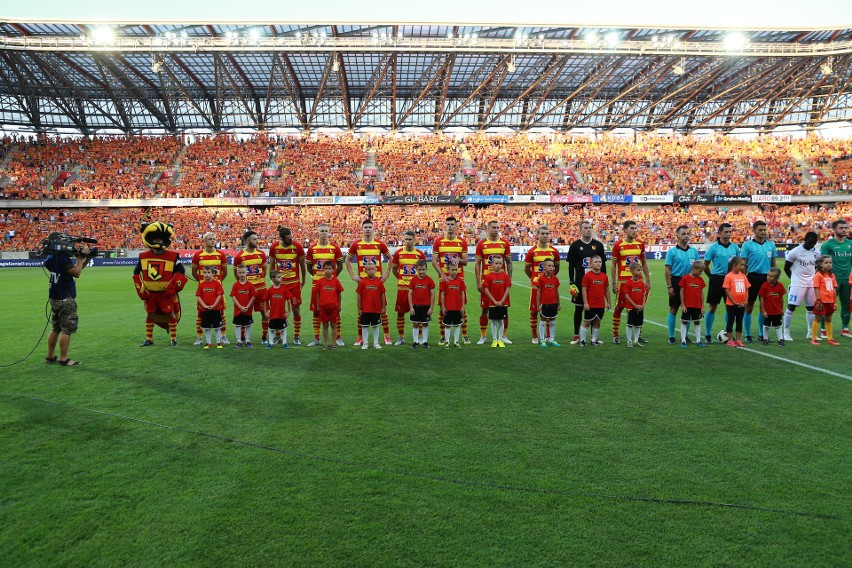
608 41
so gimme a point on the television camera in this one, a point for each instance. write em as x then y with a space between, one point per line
63 243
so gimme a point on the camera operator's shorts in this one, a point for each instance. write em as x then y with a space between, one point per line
64 315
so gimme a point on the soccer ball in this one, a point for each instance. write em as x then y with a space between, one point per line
573 290
723 336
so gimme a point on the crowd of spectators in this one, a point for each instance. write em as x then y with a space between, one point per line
322 165
119 228
317 165
219 166
122 167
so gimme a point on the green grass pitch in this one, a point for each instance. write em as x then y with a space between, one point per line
471 457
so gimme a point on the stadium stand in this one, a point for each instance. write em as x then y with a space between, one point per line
435 164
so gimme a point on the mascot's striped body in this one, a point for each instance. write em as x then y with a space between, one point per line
159 277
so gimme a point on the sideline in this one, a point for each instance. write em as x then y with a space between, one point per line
748 350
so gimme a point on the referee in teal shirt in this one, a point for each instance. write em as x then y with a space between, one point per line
760 256
678 264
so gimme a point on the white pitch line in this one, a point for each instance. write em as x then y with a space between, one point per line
776 357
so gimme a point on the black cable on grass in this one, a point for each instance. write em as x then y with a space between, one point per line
438 478
46 325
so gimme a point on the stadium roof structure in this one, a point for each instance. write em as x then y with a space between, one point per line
137 78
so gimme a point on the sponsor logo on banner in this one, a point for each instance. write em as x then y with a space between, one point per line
486 199
529 199
270 173
771 199
413 199
318 200
357 200
652 199
469 171
731 199
269 201
571 199
215 201
699 198
351 200
612 198
370 172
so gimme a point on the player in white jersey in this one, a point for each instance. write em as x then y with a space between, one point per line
800 266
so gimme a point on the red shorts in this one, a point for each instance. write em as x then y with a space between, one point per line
313 304
296 290
160 303
328 315
827 310
260 305
402 305
534 300
484 302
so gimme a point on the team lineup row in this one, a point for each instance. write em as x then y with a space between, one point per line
289 265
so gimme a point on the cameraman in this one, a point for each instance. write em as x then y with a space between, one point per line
63 292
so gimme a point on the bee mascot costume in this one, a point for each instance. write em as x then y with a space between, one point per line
159 276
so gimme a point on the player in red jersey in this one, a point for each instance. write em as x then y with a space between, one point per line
318 255
692 303
211 302
209 255
452 299
534 266
495 286
372 303
771 296
402 266
421 298
277 297
450 250
328 292
547 302
255 261
634 295
489 248
595 290
365 251
626 251
288 257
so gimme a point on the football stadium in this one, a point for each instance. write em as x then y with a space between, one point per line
598 257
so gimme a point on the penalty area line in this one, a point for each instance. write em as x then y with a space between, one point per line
755 351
